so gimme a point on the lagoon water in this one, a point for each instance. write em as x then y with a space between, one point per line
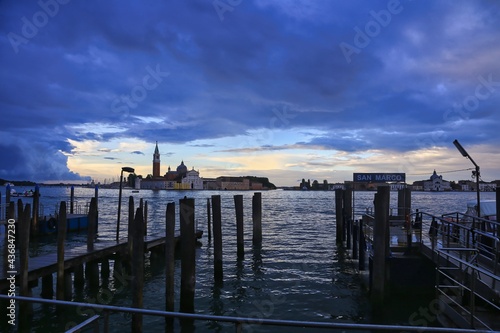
298 274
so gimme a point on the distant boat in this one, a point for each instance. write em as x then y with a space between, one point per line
14 193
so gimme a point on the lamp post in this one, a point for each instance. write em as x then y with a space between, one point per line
474 173
126 169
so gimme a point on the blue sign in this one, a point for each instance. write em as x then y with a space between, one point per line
379 177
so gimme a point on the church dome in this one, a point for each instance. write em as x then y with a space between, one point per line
182 169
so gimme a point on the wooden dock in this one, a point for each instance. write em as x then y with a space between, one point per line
452 255
44 265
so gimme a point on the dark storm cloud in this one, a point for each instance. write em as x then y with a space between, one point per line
425 74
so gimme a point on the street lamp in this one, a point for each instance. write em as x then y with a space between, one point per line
474 173
130 170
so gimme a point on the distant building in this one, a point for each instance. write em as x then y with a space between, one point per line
193 180
436 183
180 179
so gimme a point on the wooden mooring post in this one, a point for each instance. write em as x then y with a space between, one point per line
209 226
339 206
188 251
145 218
257 218
380 245
26 309
347 215
404 202
362 246
170 264
137 268
36 206
355 234
72 200
91 267
130 233
61 238
238 206
217 224
92 221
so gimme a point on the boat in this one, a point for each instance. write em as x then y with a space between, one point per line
74 223
488 209
14 193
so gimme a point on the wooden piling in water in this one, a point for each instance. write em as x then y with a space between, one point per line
339 198
68 287
137 268
92 275
217 224
170 264
105 271
24 235
72 200
96 196
61 237
188 258
92 221
209 226
348 225
36 206
257 218
78 277
355 234
361 237
404 202
347 215
47 286
145 218
380 245
130 236
238 206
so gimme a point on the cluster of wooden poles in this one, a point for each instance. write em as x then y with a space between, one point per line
187 250
129 256
349 233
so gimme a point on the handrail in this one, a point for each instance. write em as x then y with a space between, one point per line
238 321
77 328
475 270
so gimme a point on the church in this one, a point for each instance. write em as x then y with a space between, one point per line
180 179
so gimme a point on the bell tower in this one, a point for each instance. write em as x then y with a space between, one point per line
156 162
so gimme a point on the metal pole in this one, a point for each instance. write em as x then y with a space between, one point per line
119 208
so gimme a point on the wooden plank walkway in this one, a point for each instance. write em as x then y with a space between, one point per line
47 264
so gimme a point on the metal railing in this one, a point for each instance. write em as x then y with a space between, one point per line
78 208
237 321
457 283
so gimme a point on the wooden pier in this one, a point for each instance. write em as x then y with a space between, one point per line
452 254
47 264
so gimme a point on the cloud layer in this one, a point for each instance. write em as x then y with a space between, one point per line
389 76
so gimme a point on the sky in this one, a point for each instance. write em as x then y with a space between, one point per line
285 89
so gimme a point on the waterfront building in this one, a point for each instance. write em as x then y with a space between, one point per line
193 180
436 183
180 179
